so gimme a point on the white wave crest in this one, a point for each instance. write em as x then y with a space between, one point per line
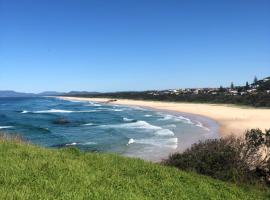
5 127
137 125
72 144
117 110
164 132
87 143
79 143
176 118
94 104
89 124
127 119
148 115
169 143
199 124
130 141
58 111
142 125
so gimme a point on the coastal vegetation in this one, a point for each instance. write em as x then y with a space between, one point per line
238 160
256 94
31 172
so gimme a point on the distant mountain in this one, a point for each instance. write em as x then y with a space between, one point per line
81 93
10 93
51 93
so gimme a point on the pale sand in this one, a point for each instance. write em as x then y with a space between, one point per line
231 119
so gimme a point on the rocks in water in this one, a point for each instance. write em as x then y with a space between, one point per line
61 121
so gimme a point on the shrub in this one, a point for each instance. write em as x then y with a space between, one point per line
229 159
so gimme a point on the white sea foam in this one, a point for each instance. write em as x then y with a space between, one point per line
93 104
5 127
138 108
130 141
164 132
79 143
137 125
127 119
148 115
87 143
72 144
75 101
58 111
170 126
117 110
175 118
169 143
142 125
199 124
89 124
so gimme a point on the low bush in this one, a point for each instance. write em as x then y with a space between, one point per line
238 160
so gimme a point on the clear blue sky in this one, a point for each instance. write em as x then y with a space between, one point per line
132 44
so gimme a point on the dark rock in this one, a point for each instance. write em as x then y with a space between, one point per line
61 121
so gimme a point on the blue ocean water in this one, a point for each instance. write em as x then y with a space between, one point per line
130 131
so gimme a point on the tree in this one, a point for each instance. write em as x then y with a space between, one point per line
255 79
247 85
221 89
232 86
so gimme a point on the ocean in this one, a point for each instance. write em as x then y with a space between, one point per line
95 127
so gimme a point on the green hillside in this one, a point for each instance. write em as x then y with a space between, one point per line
30 172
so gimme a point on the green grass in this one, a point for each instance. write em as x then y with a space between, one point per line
30 172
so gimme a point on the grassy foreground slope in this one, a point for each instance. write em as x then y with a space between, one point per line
30 172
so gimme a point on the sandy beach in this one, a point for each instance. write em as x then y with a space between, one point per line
231 119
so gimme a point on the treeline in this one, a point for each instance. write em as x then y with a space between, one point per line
256 100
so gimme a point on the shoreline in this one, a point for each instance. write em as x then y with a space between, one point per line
232 120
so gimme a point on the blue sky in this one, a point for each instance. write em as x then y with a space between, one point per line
132 45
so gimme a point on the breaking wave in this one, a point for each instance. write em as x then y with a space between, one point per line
199 124
94 104
142 125
130 141
127 119
176 118
148 115
88 124
79 143
58 111
169 143
5 127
